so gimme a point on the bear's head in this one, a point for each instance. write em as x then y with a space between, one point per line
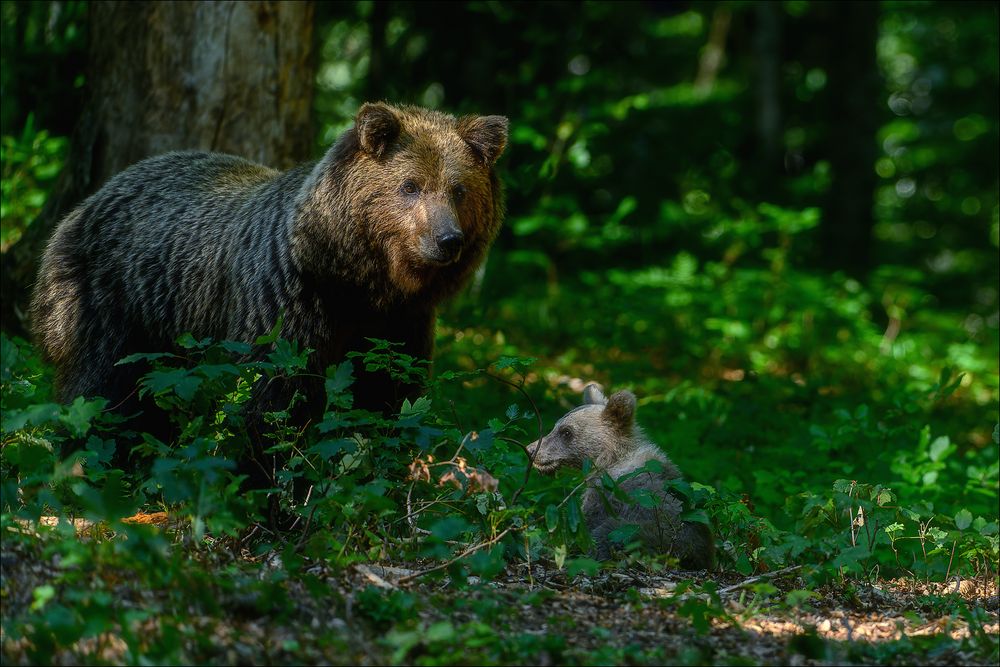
420 195
602 430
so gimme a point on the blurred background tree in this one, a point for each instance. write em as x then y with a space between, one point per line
158 77
757 215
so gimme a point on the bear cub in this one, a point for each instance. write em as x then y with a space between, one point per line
604 430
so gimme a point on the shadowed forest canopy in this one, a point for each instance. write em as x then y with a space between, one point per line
777 223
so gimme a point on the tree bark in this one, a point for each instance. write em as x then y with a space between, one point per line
767 49
375 85
233 77
852 144
714 54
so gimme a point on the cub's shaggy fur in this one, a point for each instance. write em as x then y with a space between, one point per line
604 431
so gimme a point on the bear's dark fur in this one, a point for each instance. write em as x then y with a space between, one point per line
363 244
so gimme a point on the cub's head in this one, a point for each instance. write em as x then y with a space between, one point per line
602 430
419 189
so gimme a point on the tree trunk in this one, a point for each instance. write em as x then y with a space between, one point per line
714 54
233 77
852 145
767 49
375 86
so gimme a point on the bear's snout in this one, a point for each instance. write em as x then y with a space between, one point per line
450 245
542 459
443 239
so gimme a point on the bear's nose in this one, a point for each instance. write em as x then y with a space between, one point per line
450 245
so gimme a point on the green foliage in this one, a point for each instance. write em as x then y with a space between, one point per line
31 163
417 485
844 425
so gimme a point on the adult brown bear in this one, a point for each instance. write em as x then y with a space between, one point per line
365 243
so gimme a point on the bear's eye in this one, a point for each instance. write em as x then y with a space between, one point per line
565 432
410 188
459 192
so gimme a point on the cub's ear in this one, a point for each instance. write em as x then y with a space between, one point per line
486 135
592 395
620 411
377 127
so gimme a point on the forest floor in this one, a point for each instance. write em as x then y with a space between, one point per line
390 614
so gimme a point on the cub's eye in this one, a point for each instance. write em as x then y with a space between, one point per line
410 188
459 192
565 432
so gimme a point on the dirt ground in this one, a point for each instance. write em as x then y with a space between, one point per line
614 616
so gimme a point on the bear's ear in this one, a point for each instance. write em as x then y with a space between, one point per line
377 127
620 411
592 395
486 135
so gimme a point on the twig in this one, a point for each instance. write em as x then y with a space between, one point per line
751 580
541 431
458 451
496 539
370 575
409 507
454 413
470 550
575 488
950 560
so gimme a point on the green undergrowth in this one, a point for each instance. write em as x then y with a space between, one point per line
851 480
847 430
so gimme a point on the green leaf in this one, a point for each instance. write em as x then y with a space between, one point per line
81 412
420 406
41 596
441 631
235 347
623 534
448 528
678 487
696 516
327 449
763 588
552 518
110 502
101 450
939 448
894 529
585 566
559 555
179 380
850 557
743 565
341 378
517 363
145 356
273 334
799 597
287 356
189 342
36 415
844 486
574 517
213 371
963 519
885 496
654 466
